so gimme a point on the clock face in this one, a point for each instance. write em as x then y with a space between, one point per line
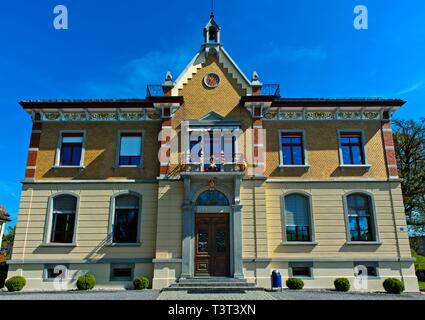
212 80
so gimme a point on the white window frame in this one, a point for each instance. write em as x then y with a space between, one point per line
59 148
374 221
118 150
308 265
304 141
49 220
366 164
121 265
52 265
112 220
310 217
209 129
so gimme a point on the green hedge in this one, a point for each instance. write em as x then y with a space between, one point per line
86 282
342 284
393 285
140 283
16 283
295 283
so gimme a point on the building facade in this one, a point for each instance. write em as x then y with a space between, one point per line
118 188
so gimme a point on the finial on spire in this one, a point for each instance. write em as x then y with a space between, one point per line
212 9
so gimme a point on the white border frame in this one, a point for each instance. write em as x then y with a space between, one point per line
118 149
59 147
305 153
374 220
363 140
110 237
49 220
310 218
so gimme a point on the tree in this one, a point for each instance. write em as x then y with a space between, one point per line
409 142
8 239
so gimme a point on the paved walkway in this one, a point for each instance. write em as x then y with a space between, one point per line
182 295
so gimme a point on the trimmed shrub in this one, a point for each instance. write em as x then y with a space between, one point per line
86 282
16 283
420 274
140 283
342 284
295 283
393 285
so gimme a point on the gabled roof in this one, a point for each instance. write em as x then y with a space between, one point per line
224 59
212 23
211 116
4 215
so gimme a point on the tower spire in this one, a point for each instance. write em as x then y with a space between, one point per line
212 9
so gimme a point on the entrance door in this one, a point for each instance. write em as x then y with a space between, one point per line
212 250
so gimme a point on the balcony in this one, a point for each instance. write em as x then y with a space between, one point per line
154 90
271 90
213 165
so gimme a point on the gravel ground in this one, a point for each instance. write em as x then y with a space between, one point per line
334 295
87 295
182 295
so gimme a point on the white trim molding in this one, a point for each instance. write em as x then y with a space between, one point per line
374 222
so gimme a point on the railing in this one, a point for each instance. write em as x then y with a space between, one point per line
212 164
154 90
270 90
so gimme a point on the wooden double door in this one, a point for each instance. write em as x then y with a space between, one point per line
212 245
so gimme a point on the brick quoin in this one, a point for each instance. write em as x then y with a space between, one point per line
391 157
32 158
35 140
29 173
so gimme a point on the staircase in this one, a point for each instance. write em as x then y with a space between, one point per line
213 285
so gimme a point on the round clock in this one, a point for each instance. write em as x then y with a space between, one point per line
212 80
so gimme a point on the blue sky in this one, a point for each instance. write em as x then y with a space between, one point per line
112 49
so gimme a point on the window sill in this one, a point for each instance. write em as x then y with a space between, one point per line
49 244
135 244
129 166
363 243
68 167
299 243
355 166
303 166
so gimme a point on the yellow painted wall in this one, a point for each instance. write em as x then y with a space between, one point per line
101 148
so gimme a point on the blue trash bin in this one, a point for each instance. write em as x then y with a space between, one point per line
276 280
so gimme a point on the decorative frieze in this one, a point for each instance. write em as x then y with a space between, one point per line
149 115
276 114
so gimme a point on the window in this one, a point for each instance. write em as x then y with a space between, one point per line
212 198
122 272
360 218
370 268
301 271
352 152
63 219
50 273
297 218
71 149
126 219
292 148
130 149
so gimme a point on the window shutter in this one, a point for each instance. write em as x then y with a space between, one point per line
296 210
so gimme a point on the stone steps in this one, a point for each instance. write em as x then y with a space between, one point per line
213 285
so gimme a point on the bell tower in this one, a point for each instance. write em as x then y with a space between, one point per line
212 36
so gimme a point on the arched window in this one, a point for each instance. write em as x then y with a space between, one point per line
360 217
64 209
126 219
212 198
297 218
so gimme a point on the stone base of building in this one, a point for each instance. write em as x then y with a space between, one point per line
163 274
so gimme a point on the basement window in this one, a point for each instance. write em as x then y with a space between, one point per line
51 272
122 272
300 270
